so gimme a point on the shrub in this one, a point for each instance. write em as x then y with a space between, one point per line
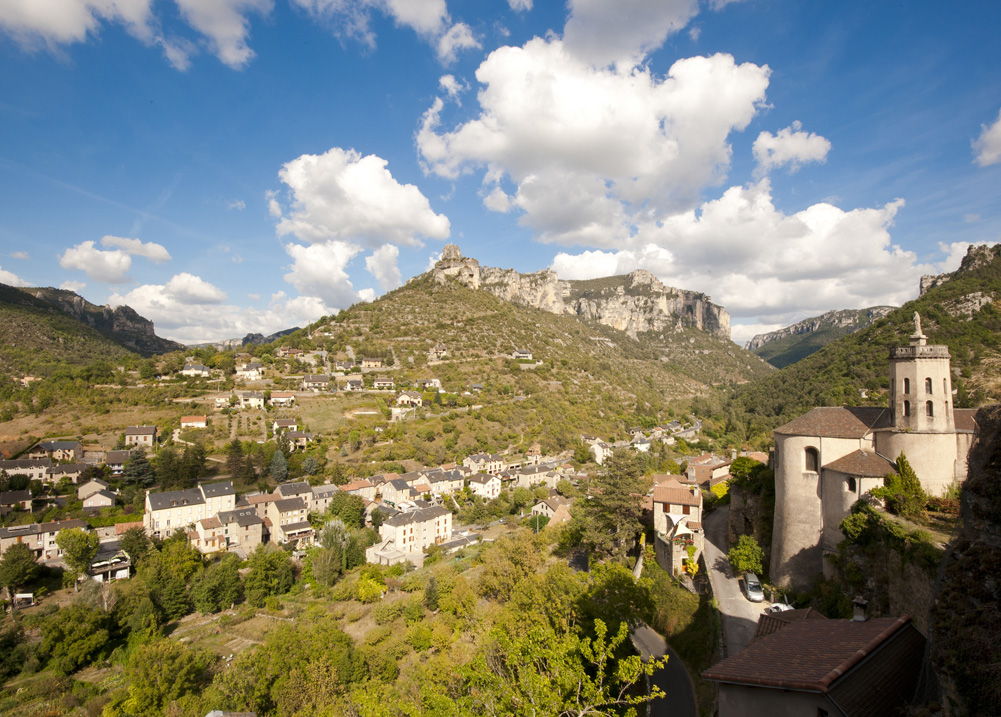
746 556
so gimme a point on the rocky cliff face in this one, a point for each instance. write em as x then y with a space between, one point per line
121 324
977 255
848 320
635 303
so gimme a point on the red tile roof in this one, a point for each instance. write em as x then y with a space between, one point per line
964 419
867 464
674 492
773 622
839 422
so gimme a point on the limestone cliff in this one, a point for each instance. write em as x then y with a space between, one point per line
121 324
977 255
635 303
847 320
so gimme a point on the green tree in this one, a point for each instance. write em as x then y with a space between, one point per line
17 568
310 466
78 548
746 556
902 490
167 468
609 520
271 573
278 467
234 458
138 472
74 637
136 544
431 594
158 674
218 586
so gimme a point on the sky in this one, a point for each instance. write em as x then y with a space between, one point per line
235 166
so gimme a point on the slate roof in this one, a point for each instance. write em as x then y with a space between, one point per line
244 517
64 468
418 516
38 528
175 498
866 464
302 525
12 497
118 456
25 463
674 492
140 431
106 494
324 490
213 490
810 654
482 478
58 445
289 489
290 504
837 422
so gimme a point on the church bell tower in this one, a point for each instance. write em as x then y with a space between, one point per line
921 386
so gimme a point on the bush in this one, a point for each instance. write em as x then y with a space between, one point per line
746 556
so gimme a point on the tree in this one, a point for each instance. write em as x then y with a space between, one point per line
234 458
609 520
79 548
746 556
431 594
271 573
377 519
902 490
74 637
310 466
279 467
17 568
159 673
136 544
138 472
218 586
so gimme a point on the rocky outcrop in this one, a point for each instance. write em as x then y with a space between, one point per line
120 324
965 635
635 303
977 256
848 320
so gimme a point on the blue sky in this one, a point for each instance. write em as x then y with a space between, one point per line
227 166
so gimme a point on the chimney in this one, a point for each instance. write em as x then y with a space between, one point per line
860 604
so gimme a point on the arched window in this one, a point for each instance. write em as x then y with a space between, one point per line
927 385
812 460
907 385
929 409
945 387
907 409
852 486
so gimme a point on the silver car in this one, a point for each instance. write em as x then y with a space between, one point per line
752 586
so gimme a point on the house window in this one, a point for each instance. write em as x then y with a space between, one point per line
812 460
927 385
686 510
852 486
907 409
929 409
907 385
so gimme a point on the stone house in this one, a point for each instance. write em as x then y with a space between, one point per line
549 506
290 522
65 470
39 537
239 530
140 436
489 463
360 487
34 468
282 398
284 424
677 524
323 496
168 511
383 384
100 499
90 487
116 460
410 398
11 499
371 363
196 370
405 536
710 472
426 384
57 450
300 489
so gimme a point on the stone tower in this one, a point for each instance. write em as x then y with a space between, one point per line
921 386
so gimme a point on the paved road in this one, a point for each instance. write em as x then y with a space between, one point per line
739 615
679 699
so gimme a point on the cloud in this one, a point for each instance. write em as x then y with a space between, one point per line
76 286
498 201
237 204
606 32
428 18
614 143
190 289
152 251
520 5
173 308
19 255
109 267
759 262
225 25
968 218
740 334
382 264
341 195
791 146
320 270
458 37
988 145
11 279
453 87
51 23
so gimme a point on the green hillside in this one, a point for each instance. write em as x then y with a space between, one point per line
961 313
787 350
39 337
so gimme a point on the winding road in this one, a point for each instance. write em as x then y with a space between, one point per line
673 678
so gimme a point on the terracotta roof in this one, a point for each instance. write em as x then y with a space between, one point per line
867 464
964 418
120 528
773 622
261 498
212 522
806 655
839 422
675 493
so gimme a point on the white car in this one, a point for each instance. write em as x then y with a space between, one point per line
752 588
778 607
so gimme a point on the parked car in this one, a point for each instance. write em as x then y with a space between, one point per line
752 588
778 607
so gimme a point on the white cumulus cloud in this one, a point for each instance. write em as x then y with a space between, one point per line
790 147
382 264
151 250
605 32
187 288
11 279
109 267
319 270
61 22
607 141
988 145
71 285
344 196
456 38
226 26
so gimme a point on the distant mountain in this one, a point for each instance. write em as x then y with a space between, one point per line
789 345
960 312
248 340
121 324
